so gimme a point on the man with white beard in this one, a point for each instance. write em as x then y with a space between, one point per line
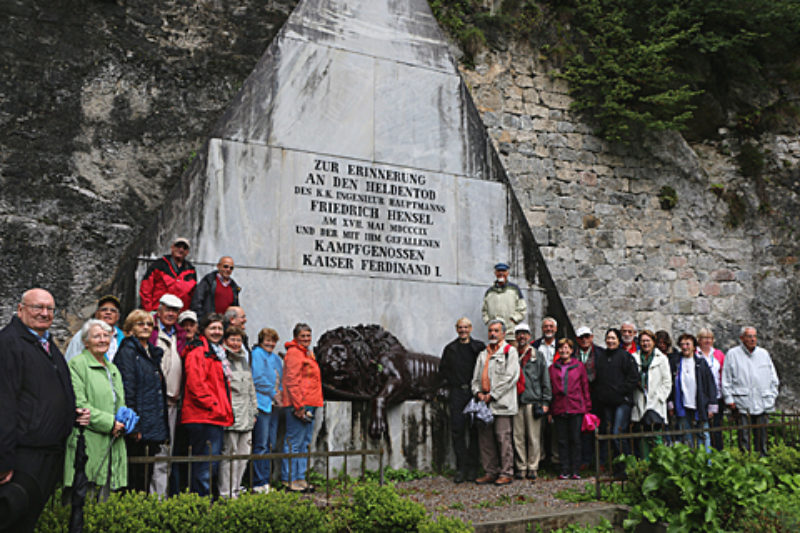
628 331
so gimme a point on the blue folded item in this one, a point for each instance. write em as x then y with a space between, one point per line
127 416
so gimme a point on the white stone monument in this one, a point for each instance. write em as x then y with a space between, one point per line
352 181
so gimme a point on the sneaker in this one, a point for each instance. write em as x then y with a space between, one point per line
531 475
519 475
563 476
575 476
261 489
295 486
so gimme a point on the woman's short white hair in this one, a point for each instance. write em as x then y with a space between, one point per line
89 325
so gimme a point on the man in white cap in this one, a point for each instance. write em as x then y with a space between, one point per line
587 353
533 399
188 321
504 300
170 337
171 274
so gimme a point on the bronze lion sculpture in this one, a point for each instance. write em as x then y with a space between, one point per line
366 362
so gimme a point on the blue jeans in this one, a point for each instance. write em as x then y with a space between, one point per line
298 438
265 433
689 422
205 439
620 419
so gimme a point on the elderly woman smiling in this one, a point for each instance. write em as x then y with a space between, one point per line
98 386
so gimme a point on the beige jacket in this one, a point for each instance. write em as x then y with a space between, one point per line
503 375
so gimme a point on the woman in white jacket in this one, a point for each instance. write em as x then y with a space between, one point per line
649 411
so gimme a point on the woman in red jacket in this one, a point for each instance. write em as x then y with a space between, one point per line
570 402
206 410
302 394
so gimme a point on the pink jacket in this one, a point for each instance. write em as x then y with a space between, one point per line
570 388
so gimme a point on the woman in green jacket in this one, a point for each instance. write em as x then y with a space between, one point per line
98 386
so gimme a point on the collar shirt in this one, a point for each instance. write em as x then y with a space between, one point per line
749 380
548 351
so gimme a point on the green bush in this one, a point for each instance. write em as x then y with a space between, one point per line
693 490
366 508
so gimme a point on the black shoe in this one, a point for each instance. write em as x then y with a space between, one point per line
458 478
531 475
472 475
518 475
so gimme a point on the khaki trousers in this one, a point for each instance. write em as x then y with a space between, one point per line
231 472
497 450
527 440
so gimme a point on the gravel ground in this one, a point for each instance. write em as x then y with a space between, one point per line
488 503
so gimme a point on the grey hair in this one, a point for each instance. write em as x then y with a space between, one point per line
89 325
497 321
745 328
705 332
550 319
231 313
628 323
300 327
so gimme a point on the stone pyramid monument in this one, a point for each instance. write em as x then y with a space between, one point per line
352 181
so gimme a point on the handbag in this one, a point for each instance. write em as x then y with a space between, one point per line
538 412
590 422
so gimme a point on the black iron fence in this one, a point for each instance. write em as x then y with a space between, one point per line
190 459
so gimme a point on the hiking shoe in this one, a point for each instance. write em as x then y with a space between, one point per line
531 475
563 476
575 476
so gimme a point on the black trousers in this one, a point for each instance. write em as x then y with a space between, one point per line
568 429
465 436
139 473
46 467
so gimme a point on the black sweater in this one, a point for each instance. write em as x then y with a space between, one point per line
616 378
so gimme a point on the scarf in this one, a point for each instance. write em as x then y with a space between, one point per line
645 368
226 364
486 383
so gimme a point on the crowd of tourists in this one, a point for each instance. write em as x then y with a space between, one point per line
516 402
179 376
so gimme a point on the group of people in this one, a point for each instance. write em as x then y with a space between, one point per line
176 376
182 365
538 393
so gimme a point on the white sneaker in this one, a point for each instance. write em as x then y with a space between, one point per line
261 489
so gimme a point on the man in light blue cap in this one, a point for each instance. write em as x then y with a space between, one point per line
504 300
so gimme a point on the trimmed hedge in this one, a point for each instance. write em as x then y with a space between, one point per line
366 508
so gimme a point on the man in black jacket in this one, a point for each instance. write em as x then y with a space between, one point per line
455 369
37 414
616 378
217 291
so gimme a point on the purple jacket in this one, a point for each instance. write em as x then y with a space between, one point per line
570 388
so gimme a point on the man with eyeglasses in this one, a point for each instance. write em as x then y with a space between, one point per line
38 412
172 274
108 311
217 291
171 338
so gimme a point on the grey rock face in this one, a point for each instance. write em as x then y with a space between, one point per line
102 105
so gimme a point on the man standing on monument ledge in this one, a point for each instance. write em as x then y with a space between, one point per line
455 370
504 300
171 274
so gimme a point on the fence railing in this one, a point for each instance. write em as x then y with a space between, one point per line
784 426
143 461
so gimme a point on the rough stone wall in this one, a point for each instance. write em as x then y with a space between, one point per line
614 253
102 105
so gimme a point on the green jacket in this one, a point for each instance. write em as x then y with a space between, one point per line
90 380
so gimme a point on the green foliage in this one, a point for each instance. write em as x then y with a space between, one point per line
667 197
367 508
693 490
372 508
634 66
575 495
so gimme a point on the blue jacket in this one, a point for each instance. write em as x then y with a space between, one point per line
145 389
706 389
267 371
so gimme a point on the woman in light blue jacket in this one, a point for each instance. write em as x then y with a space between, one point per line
267 367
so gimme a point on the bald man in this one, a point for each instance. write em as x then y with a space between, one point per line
38 409
217 291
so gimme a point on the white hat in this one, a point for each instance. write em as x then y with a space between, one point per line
170 300
187 315
583 330
521 327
